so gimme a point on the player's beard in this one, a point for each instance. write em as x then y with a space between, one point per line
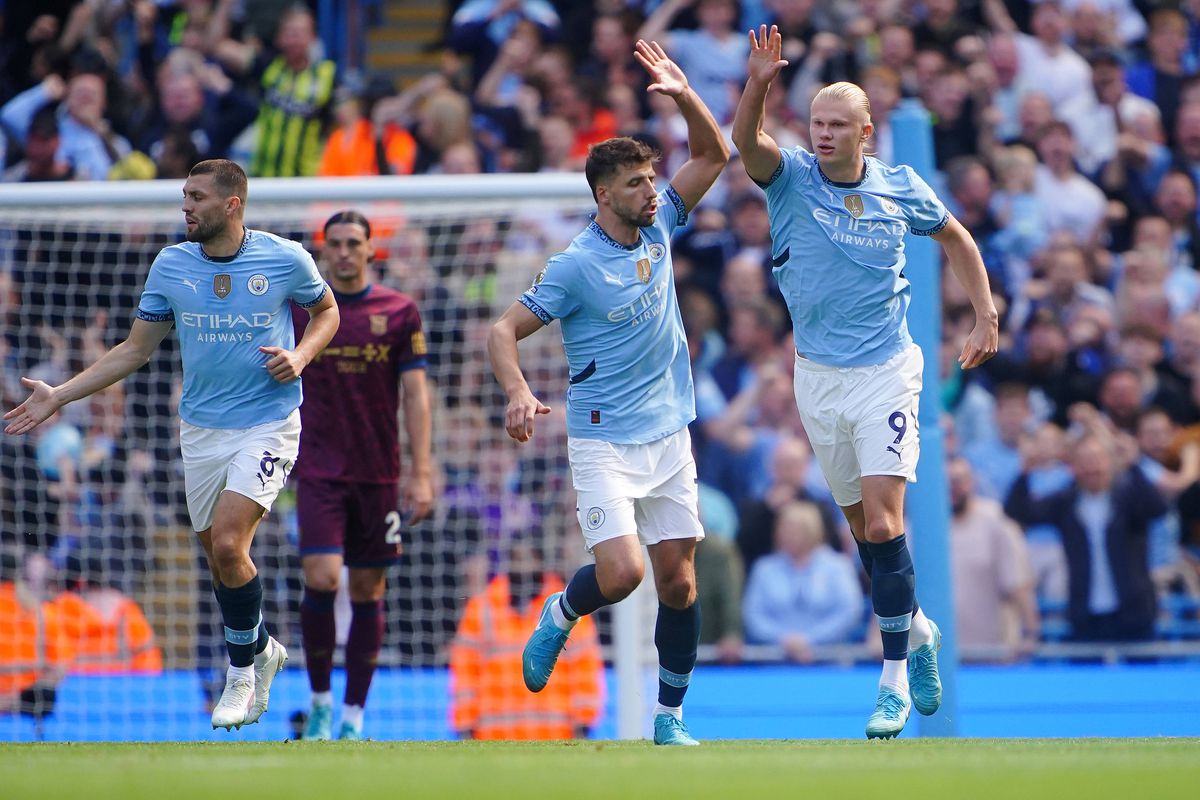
205 231
640 219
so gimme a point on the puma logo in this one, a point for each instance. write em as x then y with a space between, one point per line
190 284
894 450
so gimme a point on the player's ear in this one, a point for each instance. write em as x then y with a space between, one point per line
867 130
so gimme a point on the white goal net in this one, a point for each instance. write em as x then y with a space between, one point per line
98 491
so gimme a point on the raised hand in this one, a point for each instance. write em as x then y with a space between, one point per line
765 60
666 75
37 408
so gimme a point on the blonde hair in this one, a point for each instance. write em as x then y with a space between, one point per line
852 93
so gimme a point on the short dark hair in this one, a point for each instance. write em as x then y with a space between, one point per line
348 216
44 124
608 157
228 178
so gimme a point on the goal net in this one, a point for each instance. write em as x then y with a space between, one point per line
93 500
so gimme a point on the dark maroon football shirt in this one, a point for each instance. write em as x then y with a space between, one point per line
352 389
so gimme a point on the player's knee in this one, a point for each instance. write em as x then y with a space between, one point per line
883 530
617 581
320 580
228 554
678 591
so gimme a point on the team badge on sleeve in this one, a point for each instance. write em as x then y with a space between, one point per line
222 285
418 344
854 204
258 284
643 268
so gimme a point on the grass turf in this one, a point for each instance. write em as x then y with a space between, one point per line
925 769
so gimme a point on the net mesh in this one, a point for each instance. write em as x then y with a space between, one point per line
99 490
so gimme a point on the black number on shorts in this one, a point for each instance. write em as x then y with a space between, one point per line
267 465
899 423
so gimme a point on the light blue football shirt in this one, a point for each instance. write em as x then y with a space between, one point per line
838 255
224 310
631 381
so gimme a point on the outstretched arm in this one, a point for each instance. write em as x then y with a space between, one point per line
967 264
760 154
514 325
706 146
114 365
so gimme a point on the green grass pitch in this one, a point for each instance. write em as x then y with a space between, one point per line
928 769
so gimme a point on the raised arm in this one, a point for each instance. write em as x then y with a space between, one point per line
967 265
706 146
114 365
760 154
514 325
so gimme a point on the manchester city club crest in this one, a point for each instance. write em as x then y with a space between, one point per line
222 285
595 518
889 207
258 284
657 251
378 324
643 267
854 205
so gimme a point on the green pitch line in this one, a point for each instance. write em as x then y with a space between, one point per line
929 769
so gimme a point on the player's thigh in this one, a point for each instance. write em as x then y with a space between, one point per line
605 486
674 563
820 396
322 514
206 454
670 508
374 526
263 459
884 417
235 519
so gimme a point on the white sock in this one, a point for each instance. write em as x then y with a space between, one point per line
919 633
242 673
352 715
895 674
323 699
560 619
674 711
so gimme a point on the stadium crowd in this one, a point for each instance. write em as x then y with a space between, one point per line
1067 141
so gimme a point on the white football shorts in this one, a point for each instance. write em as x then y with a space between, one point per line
253 462
647 489
861 420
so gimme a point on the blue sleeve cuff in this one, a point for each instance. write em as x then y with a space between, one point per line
416 363
149 316
540 312
319 298
935 229
680 206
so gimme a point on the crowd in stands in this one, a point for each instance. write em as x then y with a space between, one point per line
1067 141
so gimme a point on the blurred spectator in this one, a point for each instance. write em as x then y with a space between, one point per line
1141 352
87 142
804 594
107 629
1103 516
41 161
713 55
1071 202
997 462
297 102
356 146
488 695
480 27
792 478
720 576
1019 213
1047 61
994 603
1160 76
35 651
755 328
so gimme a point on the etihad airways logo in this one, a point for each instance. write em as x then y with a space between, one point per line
225 327
649 305
872 233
